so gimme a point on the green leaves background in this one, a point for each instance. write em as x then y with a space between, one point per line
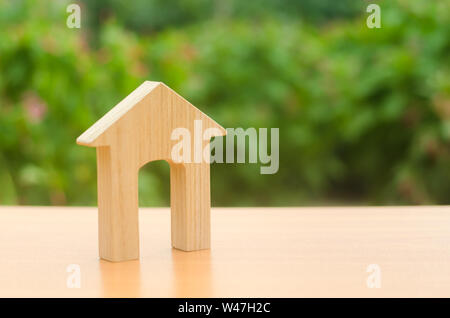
364 114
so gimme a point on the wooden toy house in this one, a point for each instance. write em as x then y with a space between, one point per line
136 131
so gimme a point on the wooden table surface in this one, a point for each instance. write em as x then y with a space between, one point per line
256 252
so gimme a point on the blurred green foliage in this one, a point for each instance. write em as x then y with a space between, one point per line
364 114
154 15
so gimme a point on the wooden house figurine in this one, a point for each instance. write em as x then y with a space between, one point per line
136 131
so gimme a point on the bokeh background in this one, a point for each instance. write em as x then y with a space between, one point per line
364 114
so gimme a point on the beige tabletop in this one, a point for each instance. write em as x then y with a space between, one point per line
256 252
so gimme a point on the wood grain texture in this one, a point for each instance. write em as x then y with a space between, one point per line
136 131
256 252
190 205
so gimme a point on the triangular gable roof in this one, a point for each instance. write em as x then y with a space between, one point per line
111 117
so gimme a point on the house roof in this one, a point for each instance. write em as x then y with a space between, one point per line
111 117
